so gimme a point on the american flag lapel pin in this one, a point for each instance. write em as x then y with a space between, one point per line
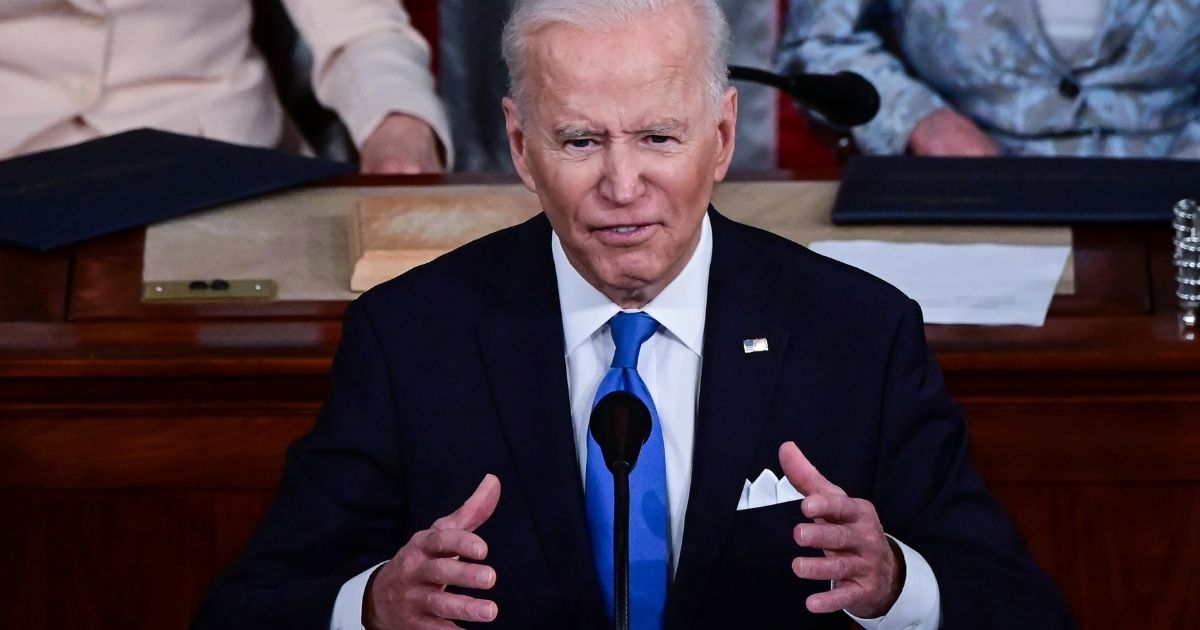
755 345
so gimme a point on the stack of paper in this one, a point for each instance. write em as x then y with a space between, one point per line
963 284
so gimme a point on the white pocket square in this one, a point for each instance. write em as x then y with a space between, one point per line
766 491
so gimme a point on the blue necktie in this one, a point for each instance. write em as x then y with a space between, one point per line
648 545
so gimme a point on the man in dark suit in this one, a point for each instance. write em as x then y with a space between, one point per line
480 370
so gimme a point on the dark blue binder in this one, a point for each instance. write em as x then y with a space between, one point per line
67 195
1023 190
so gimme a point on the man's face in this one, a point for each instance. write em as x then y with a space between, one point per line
622 146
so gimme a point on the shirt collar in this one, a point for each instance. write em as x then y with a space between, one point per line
680 308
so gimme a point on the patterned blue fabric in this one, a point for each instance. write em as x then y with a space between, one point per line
1135 91
648 543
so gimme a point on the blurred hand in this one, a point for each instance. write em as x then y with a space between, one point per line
946 132
410 591
401 144
867 572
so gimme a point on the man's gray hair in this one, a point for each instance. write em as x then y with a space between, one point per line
530 16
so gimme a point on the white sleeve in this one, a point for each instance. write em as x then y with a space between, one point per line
919 606
347 608
368 62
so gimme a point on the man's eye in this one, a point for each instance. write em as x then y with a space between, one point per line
581 143
656 139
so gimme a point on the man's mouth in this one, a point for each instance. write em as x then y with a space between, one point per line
633 234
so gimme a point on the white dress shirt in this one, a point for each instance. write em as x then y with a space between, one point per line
669 363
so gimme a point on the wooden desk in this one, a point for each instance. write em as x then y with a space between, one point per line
139 444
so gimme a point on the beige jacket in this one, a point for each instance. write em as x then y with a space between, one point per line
72 70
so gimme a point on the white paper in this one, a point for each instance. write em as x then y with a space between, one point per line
963 284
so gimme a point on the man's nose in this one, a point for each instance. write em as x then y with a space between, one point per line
622 182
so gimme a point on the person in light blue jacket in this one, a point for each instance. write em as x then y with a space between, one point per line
1020 77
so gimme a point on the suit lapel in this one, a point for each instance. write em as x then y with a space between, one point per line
522 346
735 396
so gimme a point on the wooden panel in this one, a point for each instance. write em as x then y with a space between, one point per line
1110 274
151 448
30 351
33 286
1093 442
1103 556
1125 555
120 560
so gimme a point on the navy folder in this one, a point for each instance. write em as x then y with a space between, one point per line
67 195
1027 190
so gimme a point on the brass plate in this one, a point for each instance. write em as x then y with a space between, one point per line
208 290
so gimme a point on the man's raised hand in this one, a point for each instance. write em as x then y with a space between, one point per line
410 591
866 570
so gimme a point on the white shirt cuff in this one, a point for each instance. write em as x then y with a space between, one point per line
347 608
919 606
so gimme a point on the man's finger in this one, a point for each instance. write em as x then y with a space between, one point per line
450 572
476 510
823 568
443 543
844 596
832 508
460 607
802 474
827 537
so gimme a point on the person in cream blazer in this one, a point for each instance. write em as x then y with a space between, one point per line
73 70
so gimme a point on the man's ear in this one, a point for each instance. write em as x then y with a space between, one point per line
516 142
726 133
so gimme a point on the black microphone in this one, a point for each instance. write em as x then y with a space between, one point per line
620 424
844 99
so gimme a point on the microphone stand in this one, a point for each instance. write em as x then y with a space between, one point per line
620 423
621 545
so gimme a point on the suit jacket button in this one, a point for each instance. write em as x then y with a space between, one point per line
1069 88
